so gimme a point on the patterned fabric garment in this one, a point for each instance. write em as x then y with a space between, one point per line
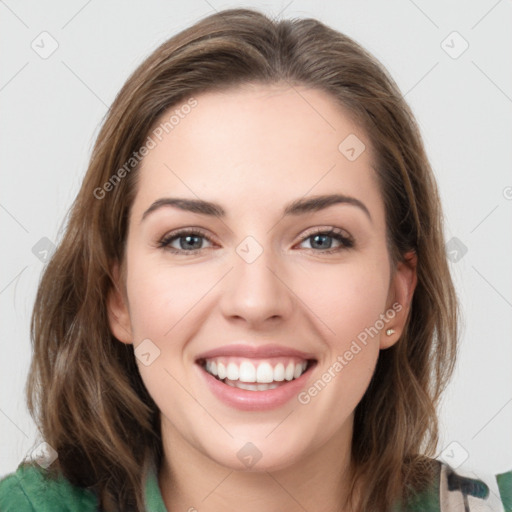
464 494
28 490
453 492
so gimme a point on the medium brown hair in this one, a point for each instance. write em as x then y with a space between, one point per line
84 388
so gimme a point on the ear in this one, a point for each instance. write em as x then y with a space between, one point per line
117 309
401 290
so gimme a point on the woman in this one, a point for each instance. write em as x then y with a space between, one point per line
252 297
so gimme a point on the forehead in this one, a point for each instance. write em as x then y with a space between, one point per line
256 146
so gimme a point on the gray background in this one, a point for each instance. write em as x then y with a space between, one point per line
52 106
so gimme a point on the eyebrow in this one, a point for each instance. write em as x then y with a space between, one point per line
297 207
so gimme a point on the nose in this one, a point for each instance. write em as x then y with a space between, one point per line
257 292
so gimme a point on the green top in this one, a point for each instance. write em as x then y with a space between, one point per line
27 490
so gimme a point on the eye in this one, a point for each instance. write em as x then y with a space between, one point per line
188 240
319 239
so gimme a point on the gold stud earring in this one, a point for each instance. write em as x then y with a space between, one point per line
389 332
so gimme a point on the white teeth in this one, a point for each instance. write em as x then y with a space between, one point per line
221 371
232 371
248 372
264 373
279 372
290 370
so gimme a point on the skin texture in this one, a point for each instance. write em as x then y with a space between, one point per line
253 150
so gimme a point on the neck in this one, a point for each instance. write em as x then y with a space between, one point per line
190 480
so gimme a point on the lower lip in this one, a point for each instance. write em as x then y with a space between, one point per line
247 400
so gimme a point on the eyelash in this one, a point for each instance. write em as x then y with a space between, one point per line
346 241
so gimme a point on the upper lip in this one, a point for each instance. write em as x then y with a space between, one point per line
256 352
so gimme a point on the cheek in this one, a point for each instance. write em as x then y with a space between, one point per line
162 300
161 296
350 303
346 298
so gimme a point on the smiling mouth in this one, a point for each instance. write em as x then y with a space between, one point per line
256 375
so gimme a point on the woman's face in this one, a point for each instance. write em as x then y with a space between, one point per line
260 289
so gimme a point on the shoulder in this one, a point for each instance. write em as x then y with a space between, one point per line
31 489
504 481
